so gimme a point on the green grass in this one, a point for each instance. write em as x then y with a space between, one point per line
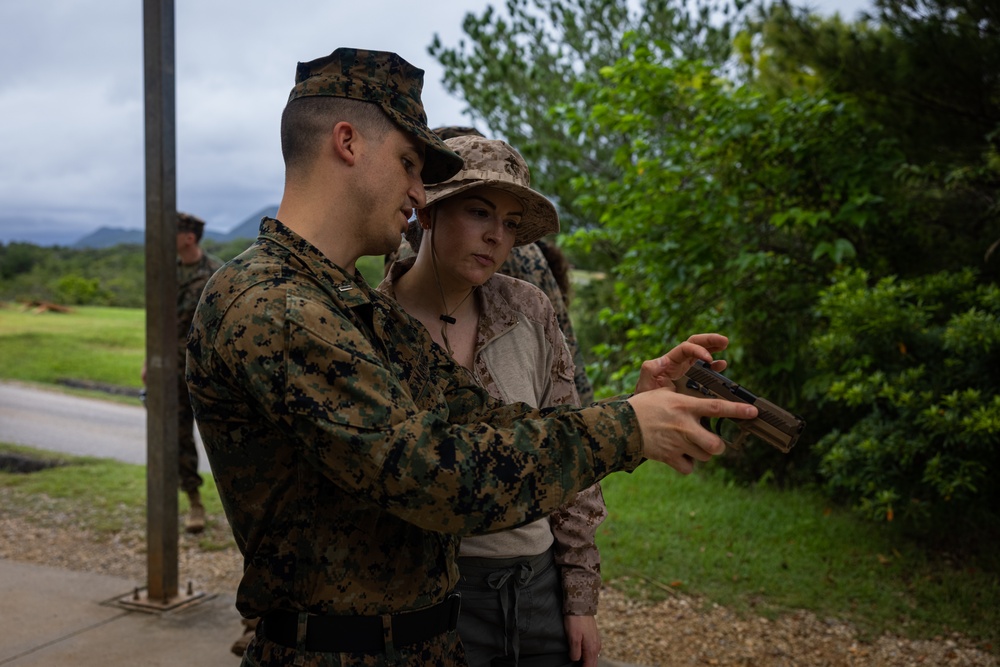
104 345
96 494
769 551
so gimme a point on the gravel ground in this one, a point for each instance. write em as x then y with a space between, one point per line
678 631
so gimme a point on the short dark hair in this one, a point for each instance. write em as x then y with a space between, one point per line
306 119
190 223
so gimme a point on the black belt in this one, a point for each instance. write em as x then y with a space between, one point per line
363 634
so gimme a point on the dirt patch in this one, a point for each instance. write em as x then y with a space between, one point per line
678 631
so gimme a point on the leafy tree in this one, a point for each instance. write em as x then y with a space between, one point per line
915 365
79 291
17 258
513 68
114 276
58 273
928 72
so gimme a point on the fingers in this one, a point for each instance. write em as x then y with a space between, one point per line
575 650
584 639
671 426
712 342
663 370
714 408
684 465
698 346
684 355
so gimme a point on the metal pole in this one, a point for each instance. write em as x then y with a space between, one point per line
161 301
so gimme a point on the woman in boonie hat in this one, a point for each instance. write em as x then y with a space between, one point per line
541 579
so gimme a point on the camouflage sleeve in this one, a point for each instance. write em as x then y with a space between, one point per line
437 452
190 284
189 292
187 300
574 528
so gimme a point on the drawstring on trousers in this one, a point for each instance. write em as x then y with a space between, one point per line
509 586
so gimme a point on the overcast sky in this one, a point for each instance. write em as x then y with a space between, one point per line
71 100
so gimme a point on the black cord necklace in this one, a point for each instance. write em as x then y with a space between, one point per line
446 317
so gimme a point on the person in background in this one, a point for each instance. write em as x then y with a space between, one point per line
540 581
194 268
351 452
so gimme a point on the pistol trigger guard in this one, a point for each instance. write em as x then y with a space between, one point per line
740 439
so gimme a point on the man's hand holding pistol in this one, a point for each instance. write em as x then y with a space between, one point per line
689 372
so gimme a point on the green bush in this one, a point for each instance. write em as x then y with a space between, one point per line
911 370
79 291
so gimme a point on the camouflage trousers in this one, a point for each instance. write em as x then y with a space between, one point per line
442 651
187 453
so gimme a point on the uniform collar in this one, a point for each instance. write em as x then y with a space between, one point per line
351 290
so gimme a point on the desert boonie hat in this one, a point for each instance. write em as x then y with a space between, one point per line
452 131
385 79
495 164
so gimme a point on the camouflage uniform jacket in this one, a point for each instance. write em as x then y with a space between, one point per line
191 279
350 452
521 355
529 264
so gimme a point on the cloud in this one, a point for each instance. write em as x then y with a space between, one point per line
71 97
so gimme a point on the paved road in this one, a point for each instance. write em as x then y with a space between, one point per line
60 422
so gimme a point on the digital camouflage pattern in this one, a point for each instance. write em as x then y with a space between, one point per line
505 304
528 263
350 452
452 131
191 280
385 79
495 164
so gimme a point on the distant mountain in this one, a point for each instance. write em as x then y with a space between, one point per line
106 237
248 228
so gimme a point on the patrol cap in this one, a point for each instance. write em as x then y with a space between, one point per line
494 163
190 223
385 79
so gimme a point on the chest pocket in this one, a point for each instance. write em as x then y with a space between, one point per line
409 355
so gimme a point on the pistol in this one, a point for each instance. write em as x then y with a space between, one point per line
774 425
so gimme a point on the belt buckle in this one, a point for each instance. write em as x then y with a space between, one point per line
454 601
